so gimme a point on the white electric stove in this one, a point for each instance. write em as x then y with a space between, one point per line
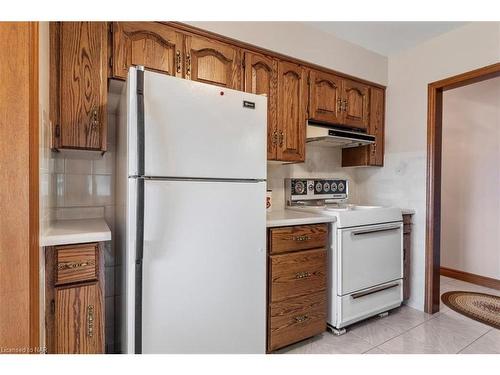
366 257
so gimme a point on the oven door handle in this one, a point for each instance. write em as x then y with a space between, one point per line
375 230
373 290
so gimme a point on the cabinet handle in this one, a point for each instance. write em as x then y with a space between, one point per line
188 65
281 138
301 318
345 105
302 275
90 320
94 119
275 138
339 105
178 58
73 265
302 238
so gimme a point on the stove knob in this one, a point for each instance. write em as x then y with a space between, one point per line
299 187
310 186
326 187
341 186
319 186
334 187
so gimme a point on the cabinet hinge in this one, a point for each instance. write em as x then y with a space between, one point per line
111 61
58 131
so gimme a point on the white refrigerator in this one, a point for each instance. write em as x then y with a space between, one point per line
190 216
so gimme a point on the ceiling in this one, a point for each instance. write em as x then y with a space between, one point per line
386 38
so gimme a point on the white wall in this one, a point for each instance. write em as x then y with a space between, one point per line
402 181
470 195
298 40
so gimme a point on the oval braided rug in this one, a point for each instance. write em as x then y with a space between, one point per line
484 308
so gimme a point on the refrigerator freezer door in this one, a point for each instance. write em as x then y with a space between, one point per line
199 130
204 267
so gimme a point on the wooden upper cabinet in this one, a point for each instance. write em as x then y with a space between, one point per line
355 104
325 102
79 85
79 328
292 105
153 45
216 63
261 78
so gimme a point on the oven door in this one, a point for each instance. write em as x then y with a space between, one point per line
368 256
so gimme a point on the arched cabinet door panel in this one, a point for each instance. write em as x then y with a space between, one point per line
153 45
325 102
356 104
261 78
213 62
292 106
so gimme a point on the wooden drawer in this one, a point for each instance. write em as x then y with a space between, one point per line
76 263
296 238
296 319
297 274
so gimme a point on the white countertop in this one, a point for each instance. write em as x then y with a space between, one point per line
408 211
66 232
281 218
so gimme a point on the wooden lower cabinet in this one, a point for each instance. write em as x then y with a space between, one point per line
297 280
74 313
406 255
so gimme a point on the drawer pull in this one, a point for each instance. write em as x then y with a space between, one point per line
302 275
73 265
373 290
301 318
90 320
302 238
375 230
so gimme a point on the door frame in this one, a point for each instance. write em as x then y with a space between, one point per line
434 153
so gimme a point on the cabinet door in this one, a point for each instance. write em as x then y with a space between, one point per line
292 102
153 45
213 62
79 327
356 97
261 78
325 102
82 85
376 128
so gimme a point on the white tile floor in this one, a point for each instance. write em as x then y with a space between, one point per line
409 331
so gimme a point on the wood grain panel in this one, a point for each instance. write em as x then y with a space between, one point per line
296 319
83 85
292 106
155 46
298 237
212 62
473 278
297 274
261 78
19 185
356 96
325 97
76 263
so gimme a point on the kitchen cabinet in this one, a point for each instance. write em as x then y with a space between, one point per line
79 85
325 97
355 104
261 78
297 269
74 291
406 255
213 62
153 45
372 155
292 112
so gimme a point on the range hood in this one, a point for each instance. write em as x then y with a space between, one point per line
324 135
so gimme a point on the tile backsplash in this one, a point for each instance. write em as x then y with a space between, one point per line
322 162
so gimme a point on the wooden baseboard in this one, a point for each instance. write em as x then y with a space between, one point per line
471 278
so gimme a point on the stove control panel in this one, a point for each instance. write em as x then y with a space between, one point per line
313 189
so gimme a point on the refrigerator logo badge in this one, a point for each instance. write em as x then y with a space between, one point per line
248 104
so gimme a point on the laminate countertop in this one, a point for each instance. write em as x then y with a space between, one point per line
67 232
283 218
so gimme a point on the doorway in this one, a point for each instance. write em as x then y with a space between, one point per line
434 156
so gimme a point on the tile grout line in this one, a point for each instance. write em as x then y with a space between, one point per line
465 347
